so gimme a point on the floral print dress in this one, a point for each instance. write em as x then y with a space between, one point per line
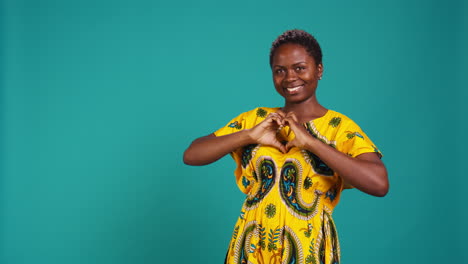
287 214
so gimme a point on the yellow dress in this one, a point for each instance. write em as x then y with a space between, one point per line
287 214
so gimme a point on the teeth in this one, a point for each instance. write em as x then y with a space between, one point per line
293 89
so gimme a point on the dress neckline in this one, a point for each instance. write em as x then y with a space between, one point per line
312 120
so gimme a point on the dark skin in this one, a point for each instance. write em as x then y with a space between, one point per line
295 76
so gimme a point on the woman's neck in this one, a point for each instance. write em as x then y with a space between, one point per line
305 111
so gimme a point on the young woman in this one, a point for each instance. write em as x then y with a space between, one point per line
293 162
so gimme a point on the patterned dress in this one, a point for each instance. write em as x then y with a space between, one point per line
287 214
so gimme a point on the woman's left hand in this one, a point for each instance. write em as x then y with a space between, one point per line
301 136
366 172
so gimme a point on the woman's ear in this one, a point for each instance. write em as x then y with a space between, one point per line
319 71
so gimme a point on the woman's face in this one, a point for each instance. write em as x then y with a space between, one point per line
295 73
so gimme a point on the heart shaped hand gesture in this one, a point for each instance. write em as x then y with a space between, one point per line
301 137
265 133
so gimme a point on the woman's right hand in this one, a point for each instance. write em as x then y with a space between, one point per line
265 133
208 149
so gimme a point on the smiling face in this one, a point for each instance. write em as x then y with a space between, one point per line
295 73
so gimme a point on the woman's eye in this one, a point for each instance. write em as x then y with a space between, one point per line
278 71
300 68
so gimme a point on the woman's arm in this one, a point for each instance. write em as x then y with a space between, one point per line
366 172
208 149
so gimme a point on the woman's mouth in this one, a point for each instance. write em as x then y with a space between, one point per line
294 90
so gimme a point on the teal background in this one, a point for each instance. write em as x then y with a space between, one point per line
99 99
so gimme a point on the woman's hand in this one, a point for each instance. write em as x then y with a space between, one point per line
301 136
366 172
208 149
265 133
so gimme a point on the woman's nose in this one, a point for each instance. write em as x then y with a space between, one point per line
291 75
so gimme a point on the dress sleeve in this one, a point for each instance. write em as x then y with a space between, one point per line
240 122
237 124
353 141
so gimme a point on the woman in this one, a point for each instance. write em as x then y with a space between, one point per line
293 163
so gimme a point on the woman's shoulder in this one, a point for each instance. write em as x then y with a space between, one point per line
344 127
250 118
351 139
335 118
335 113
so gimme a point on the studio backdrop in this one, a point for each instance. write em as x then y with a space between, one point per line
99 100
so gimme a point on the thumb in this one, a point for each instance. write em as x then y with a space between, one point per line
292 123
290 145
279 146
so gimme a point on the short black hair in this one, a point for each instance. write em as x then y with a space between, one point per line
299 37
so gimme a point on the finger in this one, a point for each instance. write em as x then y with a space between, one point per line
289 146
273 116
281 113
291 122
282 148
278 119
292 115
279 146
297 131
272 120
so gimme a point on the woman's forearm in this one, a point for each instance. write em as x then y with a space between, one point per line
208 149
365 172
